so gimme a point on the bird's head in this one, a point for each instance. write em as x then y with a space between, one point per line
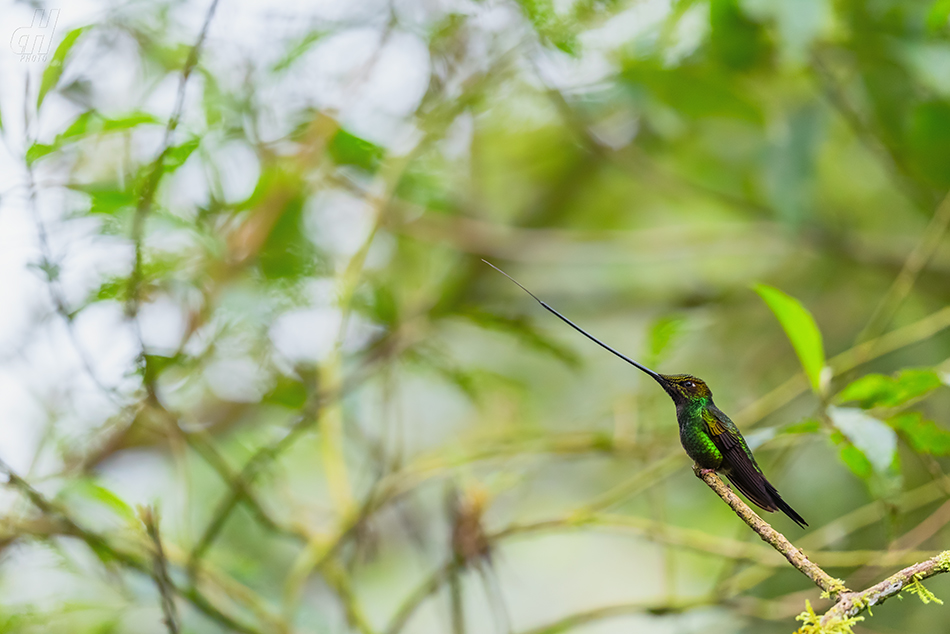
685 388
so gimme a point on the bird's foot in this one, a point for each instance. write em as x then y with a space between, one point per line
702 471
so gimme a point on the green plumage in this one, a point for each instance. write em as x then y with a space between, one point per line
712 440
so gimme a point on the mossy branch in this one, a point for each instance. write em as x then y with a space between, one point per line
851 604
848 604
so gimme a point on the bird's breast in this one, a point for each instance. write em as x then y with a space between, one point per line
699 446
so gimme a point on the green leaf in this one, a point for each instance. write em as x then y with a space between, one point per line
939 15
131 120
878 390
808 426
663 333
54 70
549 26
801 330
852 458
155 364
349 149
928 139
298 50
112 289
734 39
384 308
872 437
81 126
37 151
92 491
107 198
102 551
923 435
288 392
696 93
176 156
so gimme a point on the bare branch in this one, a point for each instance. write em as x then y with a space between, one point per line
100 544
611 611
426 589
775 539
160 570
848 604
916 260
157 168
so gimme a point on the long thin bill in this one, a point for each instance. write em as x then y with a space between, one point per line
570 323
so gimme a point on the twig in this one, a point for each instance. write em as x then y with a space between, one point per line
239 488
456 601
918 258
240 484
157 169
426 589
888 155
236 482
160 570
775 539
610 611
851 604
336 576
101 545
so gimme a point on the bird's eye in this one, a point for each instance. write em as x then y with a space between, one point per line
689 384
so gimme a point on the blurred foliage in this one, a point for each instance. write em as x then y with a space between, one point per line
350 423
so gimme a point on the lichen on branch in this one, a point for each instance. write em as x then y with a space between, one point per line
840 618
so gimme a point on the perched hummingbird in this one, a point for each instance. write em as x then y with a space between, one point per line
709 437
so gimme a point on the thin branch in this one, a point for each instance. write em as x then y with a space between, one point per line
695 540
336 576
930 241
160 570
612 611
888 155
240 489
775 539
456 601
240 484
101 545
157 168
426 589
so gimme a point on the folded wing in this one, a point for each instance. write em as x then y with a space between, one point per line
740 467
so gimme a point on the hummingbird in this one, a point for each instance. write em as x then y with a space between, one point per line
709 437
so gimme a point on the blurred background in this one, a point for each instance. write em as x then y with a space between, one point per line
255 378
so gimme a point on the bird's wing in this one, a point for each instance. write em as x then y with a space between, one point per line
740 467
738 463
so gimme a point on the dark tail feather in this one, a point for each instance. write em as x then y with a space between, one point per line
765 496
784 507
